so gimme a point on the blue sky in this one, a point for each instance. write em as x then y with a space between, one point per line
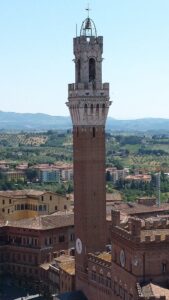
36 54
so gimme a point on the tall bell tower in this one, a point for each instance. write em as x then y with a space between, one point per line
88 102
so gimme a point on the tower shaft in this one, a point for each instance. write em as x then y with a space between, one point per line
89 189
88 102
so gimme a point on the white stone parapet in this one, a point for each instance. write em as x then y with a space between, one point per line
86 89
88 106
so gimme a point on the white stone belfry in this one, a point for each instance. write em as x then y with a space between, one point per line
88 97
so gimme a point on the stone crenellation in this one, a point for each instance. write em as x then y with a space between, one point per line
139 230
87 88
99 261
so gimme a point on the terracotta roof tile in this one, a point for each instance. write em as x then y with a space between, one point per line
61 219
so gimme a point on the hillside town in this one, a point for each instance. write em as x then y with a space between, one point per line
85 220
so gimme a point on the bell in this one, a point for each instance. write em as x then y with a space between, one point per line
88 24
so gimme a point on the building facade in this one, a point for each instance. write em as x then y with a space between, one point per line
49 175
26 245
21 204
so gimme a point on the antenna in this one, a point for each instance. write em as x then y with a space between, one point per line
158 184
88 10
76 30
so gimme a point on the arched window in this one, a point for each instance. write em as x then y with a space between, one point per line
78 70
108 280
92 70
93 273
94 131
85 108
91 108
103 107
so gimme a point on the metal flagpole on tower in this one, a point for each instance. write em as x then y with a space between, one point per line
88 10
158 186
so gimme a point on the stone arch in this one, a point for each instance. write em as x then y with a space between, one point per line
103 107
97 108
91 108
108 279
85 107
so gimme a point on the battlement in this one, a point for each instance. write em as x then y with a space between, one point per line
88 89
124 233
155 230
154 237
88 107
102 259
138 230
160 223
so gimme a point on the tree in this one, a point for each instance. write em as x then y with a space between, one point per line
117 163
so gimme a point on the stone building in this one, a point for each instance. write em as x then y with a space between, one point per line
21 204
139 256
49 175
27 244
14 175
57 172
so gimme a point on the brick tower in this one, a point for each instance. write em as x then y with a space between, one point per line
88 102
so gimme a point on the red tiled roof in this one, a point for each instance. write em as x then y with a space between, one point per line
61 219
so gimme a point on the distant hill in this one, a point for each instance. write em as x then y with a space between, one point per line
29 122
145 124
11 121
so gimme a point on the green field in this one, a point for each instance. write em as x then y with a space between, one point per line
143 153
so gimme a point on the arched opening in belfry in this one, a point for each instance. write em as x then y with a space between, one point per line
92 70
103 108
85 108
78 70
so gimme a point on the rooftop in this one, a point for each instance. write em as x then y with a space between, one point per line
61 219
45 266
134 208
22 193
105 256
101 257
155 290
68 267
64 258
138 177
58 165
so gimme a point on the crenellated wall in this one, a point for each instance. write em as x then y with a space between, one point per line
142 231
